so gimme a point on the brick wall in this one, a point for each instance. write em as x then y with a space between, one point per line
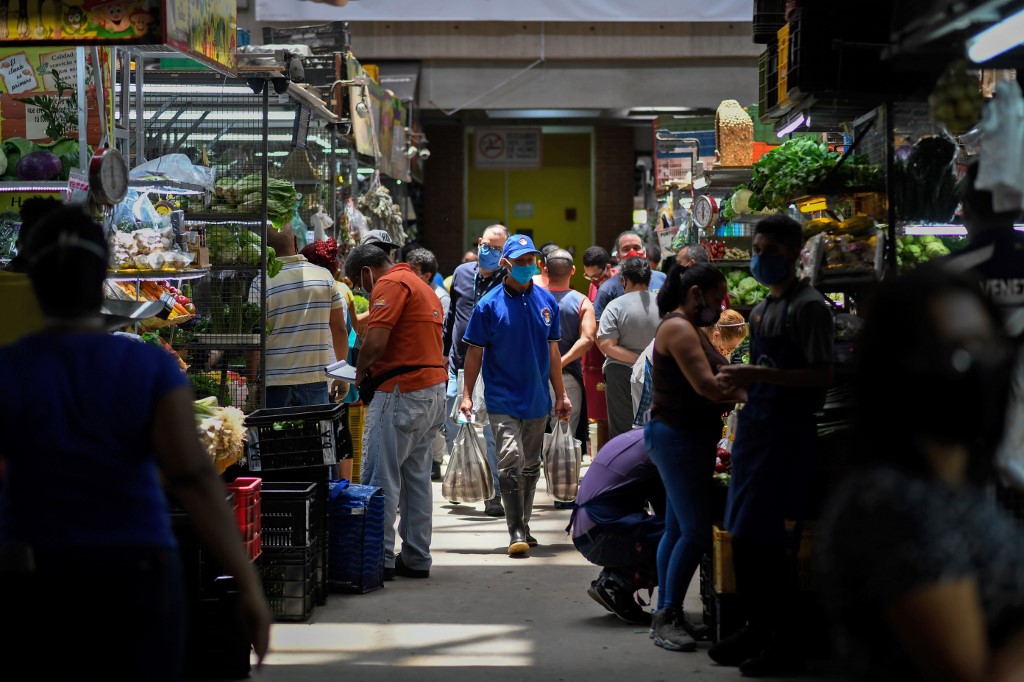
613 182
444 203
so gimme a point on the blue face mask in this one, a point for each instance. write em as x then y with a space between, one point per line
524 273
489 258
769 269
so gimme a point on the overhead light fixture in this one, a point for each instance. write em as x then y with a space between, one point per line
997 39
424 154
362 109
365 171
411 151
791 125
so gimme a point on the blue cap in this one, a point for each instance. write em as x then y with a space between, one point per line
518 245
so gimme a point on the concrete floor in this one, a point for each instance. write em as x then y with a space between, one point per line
483 616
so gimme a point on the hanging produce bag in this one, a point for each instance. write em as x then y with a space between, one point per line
468 478
562 455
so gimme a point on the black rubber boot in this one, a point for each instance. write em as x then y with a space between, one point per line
512 499
529 490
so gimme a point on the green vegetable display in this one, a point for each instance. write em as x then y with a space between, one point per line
361 304
911 250
744 290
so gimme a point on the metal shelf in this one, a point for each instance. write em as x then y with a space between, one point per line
156 275
32 186
224 218
731 263
722 177
168 186
235 268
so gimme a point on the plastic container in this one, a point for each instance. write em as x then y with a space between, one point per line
356 538
287 516
287 437
287 578
247 507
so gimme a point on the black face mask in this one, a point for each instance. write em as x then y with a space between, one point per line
706 315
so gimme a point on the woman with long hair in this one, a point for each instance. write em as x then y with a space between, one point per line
682 436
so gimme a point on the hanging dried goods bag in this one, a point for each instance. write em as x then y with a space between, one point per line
468 478
562 455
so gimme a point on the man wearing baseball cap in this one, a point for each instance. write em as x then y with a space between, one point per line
381 239
517 324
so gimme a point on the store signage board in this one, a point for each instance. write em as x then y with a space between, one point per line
28 72
205 30
589 11
507 148
81 22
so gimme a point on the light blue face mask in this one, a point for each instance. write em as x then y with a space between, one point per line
524 273
489 257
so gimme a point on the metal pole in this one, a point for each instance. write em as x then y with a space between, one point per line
140 106
890 168
83 111
265 171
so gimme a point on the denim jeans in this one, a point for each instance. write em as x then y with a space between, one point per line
298 394
686 463
400 428
451 429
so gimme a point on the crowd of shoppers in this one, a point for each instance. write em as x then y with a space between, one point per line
920 572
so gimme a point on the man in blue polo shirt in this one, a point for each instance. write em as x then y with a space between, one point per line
517 324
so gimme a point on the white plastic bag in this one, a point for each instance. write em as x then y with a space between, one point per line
1001 168
562 457
479 415
468 478
176 167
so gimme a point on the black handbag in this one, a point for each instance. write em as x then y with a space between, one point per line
371 383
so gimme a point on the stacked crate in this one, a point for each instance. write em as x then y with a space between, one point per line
298 445
289 549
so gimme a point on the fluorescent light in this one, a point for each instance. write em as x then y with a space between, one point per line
543 113
997 39
793 124
639 217
341 151
217 116
183 89
943 230
365 171
659 110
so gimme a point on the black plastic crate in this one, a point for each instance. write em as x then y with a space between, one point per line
200 570
769 17
292 609
321 476
217 646
288 512
287 437
291 589
768 79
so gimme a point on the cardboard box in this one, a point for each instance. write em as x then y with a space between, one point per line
724 577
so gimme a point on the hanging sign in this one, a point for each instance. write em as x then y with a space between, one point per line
108 22
207 31
507 148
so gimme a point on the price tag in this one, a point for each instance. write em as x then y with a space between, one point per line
78 187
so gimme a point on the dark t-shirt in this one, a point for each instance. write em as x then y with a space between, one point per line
76 411
887 533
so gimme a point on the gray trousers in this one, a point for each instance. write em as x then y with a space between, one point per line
575 390
397 440
619 397
518 444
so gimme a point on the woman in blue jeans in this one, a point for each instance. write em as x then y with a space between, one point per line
682 436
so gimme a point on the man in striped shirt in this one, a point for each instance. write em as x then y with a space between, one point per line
306 317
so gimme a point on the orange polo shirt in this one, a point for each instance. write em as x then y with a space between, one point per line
403 303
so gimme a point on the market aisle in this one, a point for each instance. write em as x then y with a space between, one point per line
482 616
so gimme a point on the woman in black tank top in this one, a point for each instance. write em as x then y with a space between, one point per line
682 436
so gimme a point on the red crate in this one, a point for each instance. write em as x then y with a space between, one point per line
247 505
254 547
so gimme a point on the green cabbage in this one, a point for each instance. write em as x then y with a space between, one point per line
745 285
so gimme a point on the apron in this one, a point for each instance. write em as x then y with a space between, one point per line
773 454
593 384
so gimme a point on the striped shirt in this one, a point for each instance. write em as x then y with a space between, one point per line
299 304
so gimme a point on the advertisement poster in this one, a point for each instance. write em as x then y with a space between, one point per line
32 72
205 30
80 21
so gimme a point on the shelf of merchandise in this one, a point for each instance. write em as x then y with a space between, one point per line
156 276
33 186
168 186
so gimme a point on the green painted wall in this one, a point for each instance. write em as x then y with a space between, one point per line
563 182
